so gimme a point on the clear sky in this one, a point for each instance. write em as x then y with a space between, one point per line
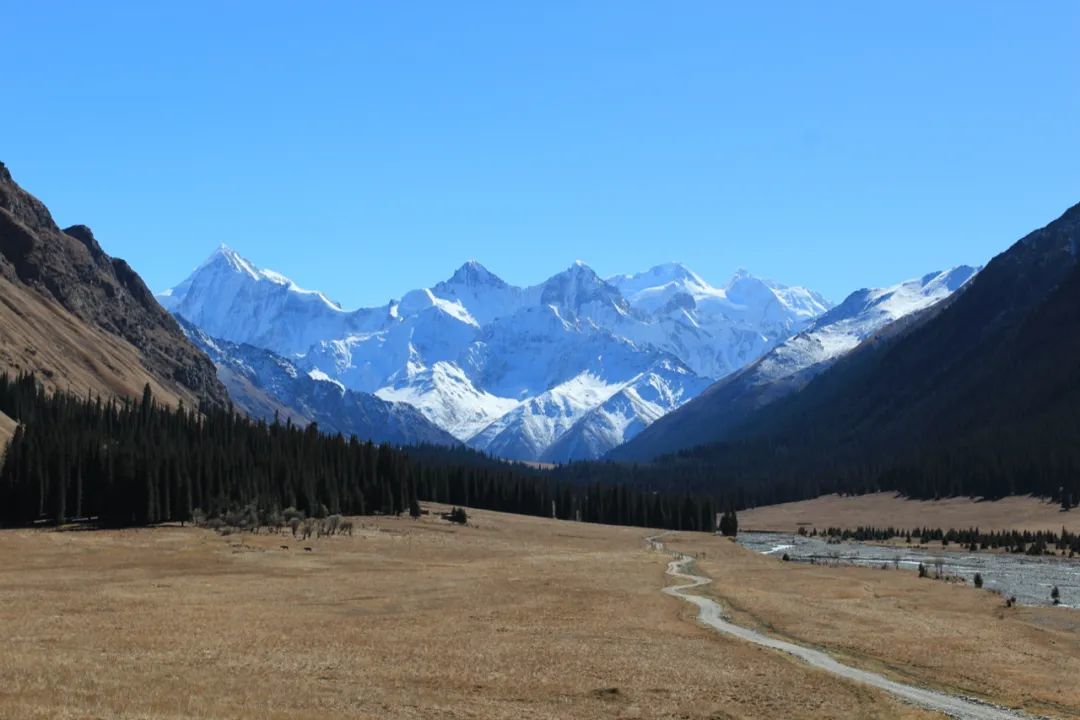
366 148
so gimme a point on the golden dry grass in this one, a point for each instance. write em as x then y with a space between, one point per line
886 509
38 335
7 429
511 617
947 636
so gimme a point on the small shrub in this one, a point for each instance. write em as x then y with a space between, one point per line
922 571
457 515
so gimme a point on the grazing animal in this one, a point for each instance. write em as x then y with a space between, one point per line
307 549
346 526
284 547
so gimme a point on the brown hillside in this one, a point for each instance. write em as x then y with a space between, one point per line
82 320
7 428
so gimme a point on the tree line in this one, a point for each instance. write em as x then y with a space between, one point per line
139 462
1037 542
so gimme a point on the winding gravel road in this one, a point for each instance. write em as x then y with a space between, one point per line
711 614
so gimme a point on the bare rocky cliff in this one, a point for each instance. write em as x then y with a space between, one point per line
83 320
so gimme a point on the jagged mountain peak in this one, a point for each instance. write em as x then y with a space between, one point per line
225 259
473 274
471 348
658 275
578 286
225 256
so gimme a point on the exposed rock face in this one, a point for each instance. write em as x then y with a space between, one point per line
48 267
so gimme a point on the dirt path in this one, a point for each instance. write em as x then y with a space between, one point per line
711 614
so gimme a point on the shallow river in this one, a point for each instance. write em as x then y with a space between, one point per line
1029 579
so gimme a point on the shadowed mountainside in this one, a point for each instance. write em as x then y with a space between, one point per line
82 320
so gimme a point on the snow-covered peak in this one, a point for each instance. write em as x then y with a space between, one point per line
878 306
862 314
226 256
226 261
417 301
746 289
579 286
472 274
484 295
671 274
231 298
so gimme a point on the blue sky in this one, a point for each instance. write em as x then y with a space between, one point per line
368 148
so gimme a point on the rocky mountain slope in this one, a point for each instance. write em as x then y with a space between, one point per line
511 370
791 365
85 321
265 385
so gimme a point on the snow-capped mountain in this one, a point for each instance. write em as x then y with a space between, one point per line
264 385
639 403
792 364
229 298
861 314
715 331
511 370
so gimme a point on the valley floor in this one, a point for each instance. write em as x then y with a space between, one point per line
888 509
511 617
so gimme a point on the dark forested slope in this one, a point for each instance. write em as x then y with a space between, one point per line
982 398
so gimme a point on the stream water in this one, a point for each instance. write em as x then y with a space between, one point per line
1028 579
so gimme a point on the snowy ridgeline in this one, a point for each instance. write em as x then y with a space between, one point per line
564 370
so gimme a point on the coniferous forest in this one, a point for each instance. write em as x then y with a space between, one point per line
126 463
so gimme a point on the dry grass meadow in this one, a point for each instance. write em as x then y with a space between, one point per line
946 636
511 617
887 509
7 429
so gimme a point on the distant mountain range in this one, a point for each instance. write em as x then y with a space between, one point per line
791 365
266 386
575 368
960 382
564 370
977 394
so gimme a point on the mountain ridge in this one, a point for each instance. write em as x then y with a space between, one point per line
978 396
474 350
77 317
792 364
267 386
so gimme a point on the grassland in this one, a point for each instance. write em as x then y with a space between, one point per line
887 509
7 428
511 617
946 636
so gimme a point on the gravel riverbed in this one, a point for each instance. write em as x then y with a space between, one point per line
1029 579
